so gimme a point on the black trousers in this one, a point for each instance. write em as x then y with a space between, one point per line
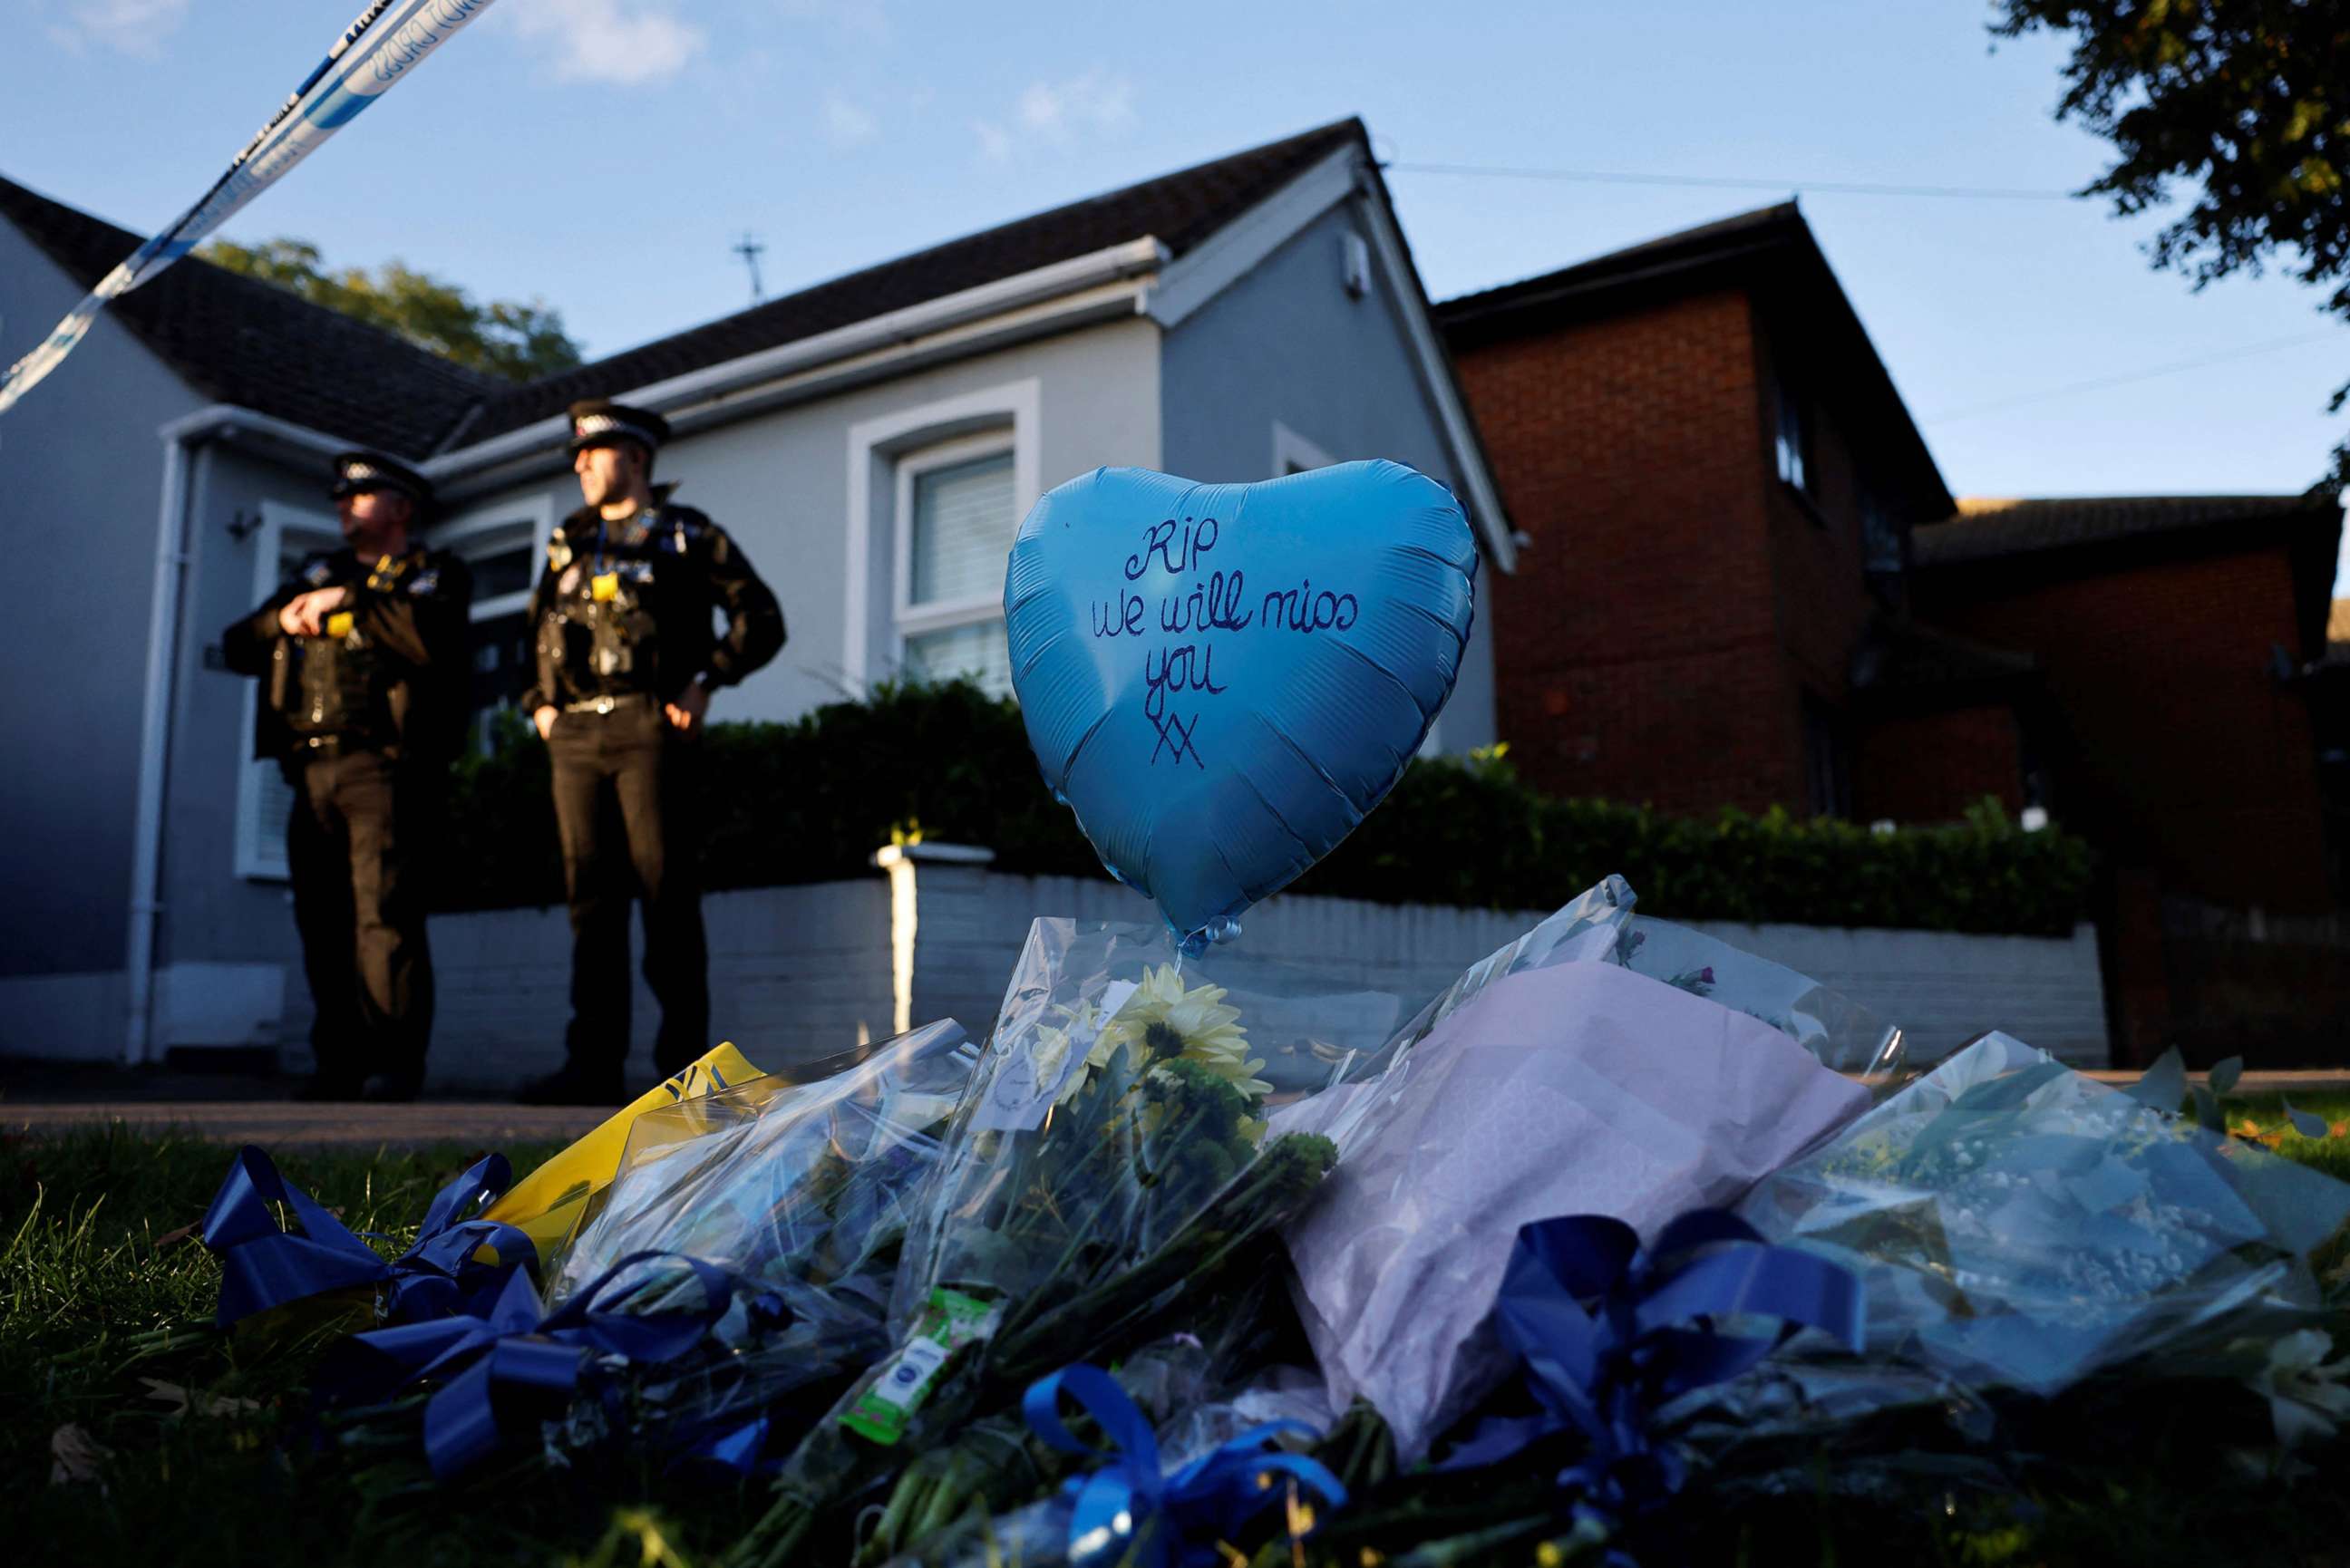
351 847
626 789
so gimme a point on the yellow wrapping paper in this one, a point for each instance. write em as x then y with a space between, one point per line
548 1204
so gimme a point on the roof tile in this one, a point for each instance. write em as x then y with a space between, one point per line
242 341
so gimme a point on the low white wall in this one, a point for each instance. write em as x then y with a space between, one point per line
799 973
796 973
1943 988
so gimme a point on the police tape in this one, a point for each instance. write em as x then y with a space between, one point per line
388 39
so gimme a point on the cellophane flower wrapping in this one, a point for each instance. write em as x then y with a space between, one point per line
803 1188
1550 1080
1838 1031
2018 1224
1601 926
1110 1165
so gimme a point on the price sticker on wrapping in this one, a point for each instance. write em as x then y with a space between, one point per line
1026 1086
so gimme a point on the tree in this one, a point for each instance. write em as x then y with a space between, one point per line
2249 99
520 342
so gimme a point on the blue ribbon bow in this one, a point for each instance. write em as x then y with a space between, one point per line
1609 1333
264 1266
1168 1521
515 1355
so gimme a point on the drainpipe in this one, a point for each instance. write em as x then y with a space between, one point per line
154 737
173 552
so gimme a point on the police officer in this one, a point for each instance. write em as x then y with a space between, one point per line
364 655
621 620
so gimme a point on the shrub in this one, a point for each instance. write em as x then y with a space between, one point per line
809 800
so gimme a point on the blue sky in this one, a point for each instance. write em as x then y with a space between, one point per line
604 154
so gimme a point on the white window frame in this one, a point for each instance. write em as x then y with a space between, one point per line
259 847
463 536
1292 453
469 529
942 614
1008 414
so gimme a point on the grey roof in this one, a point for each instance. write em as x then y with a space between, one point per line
248 343
1180 208
238 340
1771 253
1987 528
1650 259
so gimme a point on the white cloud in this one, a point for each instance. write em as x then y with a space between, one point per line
846 124
1096 101
1051 113
133 27
606 40
994 142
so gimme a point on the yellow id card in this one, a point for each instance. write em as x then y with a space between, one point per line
604 586
548 1204
339 624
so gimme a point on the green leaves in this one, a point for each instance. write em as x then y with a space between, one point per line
504 337
808 801
2238 109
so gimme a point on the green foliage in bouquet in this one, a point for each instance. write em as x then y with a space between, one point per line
808 801
1132 1207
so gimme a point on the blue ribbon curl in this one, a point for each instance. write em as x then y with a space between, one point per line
1171 1520
516 1355
1609 1333
265 1266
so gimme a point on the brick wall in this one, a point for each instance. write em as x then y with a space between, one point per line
1930 767
2181 754
1635 648
1819 589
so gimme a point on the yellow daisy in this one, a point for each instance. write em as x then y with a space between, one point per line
1165 1020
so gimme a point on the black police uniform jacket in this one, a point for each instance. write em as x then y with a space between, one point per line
392 677
624 608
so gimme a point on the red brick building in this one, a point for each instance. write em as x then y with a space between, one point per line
2181 646
1747 584
1718 481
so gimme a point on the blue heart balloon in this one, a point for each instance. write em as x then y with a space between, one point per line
1221 680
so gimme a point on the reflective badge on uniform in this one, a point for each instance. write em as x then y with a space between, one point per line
425 581
559 553
318 571
339 624
604 586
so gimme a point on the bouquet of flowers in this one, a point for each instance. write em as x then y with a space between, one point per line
803 1192
1106 1177
2018 1224
1577 1088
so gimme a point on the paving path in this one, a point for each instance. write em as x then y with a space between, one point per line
287 1124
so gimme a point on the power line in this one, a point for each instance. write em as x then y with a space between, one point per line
1730 182
2174 367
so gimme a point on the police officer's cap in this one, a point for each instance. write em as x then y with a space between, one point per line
600 421
358 471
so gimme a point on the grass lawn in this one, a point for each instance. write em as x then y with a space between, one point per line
201 1450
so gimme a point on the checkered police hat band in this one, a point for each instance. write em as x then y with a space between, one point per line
602 427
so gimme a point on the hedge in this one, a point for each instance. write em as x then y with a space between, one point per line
809 800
